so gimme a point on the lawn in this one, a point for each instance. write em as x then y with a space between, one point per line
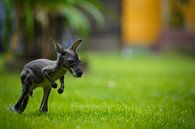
136 92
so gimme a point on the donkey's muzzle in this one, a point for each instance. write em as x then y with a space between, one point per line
79 73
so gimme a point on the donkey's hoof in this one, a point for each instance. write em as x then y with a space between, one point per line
60 91
43 110
54 85
12 109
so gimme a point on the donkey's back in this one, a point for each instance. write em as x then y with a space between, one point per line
34 69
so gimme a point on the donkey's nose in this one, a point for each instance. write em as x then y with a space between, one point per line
79 73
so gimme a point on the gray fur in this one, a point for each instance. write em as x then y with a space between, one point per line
43 73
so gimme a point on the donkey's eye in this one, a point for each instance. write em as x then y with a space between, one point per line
63 53
70 61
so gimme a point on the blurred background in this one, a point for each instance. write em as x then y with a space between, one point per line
139 56
104 26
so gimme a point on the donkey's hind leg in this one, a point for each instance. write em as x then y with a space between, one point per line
26 90
44 103
24 104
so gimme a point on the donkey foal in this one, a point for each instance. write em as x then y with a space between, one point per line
43 73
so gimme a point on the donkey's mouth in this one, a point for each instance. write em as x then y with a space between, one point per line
75 73
78 75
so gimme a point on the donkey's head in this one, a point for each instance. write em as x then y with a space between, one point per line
68 58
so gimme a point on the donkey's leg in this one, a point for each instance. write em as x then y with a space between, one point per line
61 89
23 100
19 105
44 103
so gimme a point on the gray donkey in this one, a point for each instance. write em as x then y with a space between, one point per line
43 73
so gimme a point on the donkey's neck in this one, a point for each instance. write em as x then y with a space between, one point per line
58 63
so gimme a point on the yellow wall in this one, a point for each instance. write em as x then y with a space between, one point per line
189 11
140 21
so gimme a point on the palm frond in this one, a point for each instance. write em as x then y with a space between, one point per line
76 19
94 11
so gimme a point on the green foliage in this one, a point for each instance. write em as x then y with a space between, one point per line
73 11
7 22
28 19
176 18
184 1
141 92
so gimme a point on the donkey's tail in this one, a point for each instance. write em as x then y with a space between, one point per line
23 76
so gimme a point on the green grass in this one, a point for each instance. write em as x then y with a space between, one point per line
140 92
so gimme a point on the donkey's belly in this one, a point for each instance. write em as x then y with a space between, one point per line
44 83
55 76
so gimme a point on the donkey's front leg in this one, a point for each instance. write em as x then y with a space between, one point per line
61 89
45 72
44 103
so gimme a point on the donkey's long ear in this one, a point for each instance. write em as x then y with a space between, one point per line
76 45
57 46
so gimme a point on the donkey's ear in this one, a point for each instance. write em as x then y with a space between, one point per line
76 45
57 46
